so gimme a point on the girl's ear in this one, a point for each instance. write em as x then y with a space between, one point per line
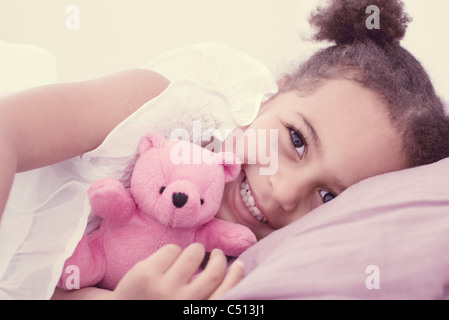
152 140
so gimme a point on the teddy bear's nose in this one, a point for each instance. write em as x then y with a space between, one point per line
179 199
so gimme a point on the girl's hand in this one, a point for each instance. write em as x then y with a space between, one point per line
169 274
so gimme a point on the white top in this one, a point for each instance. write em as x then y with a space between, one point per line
48 209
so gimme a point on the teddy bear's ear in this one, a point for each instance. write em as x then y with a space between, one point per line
151 140
231 165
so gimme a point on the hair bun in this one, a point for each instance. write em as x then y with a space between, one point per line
344 21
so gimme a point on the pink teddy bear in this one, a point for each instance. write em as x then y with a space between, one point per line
166 203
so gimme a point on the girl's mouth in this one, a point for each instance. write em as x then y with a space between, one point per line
249 202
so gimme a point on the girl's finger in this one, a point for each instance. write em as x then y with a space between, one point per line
186 264
210 278
162 259
235 274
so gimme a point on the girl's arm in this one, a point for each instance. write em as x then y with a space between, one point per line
48 124
8 165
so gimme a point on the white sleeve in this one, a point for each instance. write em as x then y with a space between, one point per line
243 79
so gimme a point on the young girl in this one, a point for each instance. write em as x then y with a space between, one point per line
359 108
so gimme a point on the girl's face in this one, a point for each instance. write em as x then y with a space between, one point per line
327 141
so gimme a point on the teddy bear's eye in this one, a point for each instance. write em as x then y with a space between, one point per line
161 190
201 201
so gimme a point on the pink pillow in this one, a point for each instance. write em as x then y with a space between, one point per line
384 238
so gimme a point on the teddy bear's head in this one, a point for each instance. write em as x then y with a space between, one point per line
179 183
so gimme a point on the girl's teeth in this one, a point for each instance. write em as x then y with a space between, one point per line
249 202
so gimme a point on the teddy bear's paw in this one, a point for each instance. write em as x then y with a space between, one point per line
240 241
232 238
106 188
110 200
85 267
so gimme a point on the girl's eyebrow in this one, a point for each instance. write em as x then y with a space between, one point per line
312 132
339 185
317 143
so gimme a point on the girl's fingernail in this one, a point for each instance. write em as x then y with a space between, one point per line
239 263
215 252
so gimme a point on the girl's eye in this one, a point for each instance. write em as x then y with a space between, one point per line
326 196
298 142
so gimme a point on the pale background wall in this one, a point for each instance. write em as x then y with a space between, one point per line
120 34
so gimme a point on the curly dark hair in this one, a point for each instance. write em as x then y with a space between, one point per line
375 59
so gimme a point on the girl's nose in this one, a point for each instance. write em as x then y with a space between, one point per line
287 189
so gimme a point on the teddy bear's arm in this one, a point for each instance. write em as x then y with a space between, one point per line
230 237
111 201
